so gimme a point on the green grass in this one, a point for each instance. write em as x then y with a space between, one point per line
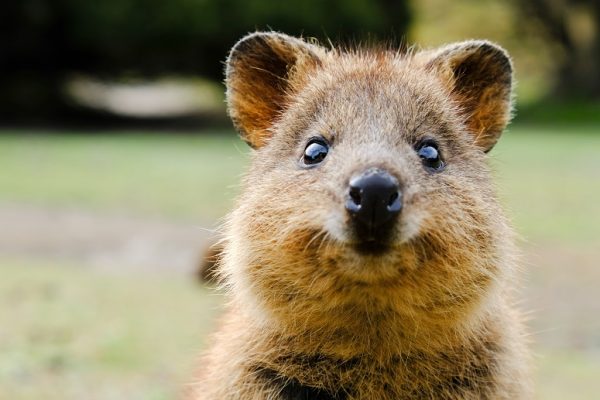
71 333
549 179
567 375
172 175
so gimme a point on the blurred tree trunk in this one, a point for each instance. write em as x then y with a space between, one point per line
32 56
575 26
45 42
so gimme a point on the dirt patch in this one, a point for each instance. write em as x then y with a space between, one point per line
105 241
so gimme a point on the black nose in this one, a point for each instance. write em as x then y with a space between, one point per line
374 199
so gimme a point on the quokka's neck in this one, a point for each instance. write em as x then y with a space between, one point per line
351 333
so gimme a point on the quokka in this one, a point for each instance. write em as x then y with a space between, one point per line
367 256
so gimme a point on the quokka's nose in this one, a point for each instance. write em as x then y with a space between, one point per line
374 199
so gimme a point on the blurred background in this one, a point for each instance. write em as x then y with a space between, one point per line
117 162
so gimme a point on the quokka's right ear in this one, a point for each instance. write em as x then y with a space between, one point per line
263 70
478 75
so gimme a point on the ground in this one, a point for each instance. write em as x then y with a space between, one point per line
102 233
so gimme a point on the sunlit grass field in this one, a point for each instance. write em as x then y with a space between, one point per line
68 332
179 176
72 333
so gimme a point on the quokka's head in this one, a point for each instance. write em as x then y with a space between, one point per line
368 182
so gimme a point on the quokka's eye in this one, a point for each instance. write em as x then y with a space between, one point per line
430 155
315 152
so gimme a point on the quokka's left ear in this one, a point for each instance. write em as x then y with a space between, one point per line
479 76
262 71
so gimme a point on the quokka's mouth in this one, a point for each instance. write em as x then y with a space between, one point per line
372 247
372 240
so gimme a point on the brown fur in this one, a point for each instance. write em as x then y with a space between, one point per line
429 319
210 258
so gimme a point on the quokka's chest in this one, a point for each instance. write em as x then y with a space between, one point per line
415 376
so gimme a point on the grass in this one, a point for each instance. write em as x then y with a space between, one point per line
71 333
68 332
568 375
549 179
172 175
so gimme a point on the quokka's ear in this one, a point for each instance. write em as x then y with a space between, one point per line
263 69
479 77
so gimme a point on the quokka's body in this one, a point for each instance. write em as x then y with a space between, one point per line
367 256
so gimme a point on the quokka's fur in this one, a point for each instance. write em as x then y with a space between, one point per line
311 318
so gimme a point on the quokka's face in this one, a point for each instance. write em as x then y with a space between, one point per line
369 166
